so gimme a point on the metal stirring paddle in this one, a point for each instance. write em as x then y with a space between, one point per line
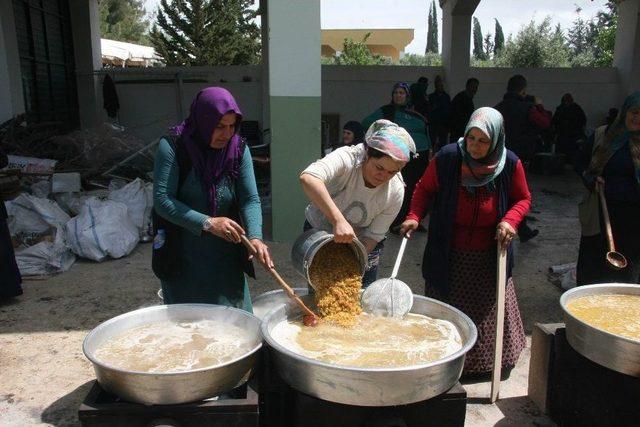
389 297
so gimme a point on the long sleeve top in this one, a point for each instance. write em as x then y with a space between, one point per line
412 123
188 206
470 233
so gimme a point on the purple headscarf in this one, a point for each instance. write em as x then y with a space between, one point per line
210 164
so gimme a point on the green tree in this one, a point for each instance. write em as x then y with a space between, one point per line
357 53
536 45
488 46
432 30
124 20
577 35
604 34
478 48
498 40
206 32
429 59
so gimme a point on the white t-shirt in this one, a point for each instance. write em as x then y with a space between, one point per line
370 211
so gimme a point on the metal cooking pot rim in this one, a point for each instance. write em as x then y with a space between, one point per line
473 336
567 294
108 322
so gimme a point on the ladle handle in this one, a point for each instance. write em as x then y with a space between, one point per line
396 266
278 278
605 217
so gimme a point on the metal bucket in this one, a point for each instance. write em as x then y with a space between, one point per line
371 386
612 351
309 243
154 388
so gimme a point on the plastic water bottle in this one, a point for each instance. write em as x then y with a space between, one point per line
159 239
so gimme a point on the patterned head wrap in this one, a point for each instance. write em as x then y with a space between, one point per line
390 139
480 172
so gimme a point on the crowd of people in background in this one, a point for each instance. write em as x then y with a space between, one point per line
434 119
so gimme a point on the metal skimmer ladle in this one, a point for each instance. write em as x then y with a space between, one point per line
389 297
615 259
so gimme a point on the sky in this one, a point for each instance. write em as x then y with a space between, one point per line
378 14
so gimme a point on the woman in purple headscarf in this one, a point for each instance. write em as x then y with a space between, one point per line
204 183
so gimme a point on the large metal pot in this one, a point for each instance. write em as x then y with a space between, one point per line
612 351
308 244
264 303
179 387
371 386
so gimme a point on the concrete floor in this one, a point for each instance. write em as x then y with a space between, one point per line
44 375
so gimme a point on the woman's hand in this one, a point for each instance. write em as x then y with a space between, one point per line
262 254
407 227
225 228
599 182
343 232
504 234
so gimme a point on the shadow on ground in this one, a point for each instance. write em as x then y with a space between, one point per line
64 411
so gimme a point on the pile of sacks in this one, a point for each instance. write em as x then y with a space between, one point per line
49 234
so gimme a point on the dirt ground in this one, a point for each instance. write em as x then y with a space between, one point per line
44 375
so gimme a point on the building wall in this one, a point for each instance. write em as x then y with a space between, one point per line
11 98
353 92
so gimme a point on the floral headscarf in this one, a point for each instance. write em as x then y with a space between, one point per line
391 139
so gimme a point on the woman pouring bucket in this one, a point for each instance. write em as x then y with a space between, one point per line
357 191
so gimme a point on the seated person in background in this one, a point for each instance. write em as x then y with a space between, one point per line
352 134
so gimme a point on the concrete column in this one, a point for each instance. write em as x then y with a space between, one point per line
456 41
85 26
264 75
295 107
11 97
626 56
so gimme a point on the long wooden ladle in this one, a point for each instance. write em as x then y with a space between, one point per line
310 318
615 259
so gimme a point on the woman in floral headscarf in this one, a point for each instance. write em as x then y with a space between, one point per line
357 191
611 162
204 184
477 192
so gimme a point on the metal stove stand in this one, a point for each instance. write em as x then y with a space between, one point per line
239 408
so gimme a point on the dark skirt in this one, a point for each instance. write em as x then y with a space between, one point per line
473 291
10 278
592 265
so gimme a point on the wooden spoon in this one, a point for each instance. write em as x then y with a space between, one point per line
310 318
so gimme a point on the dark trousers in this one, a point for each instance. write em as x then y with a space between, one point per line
411 174
10 278
439 136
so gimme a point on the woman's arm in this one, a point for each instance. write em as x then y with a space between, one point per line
424 193
317 192
165 190
250 209
248 199
519 198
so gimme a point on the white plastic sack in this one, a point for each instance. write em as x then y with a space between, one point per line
45 257
41 188
33 215
134 197
102 229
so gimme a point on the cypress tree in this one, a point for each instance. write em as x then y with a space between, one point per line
498 39
206 32
478 48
